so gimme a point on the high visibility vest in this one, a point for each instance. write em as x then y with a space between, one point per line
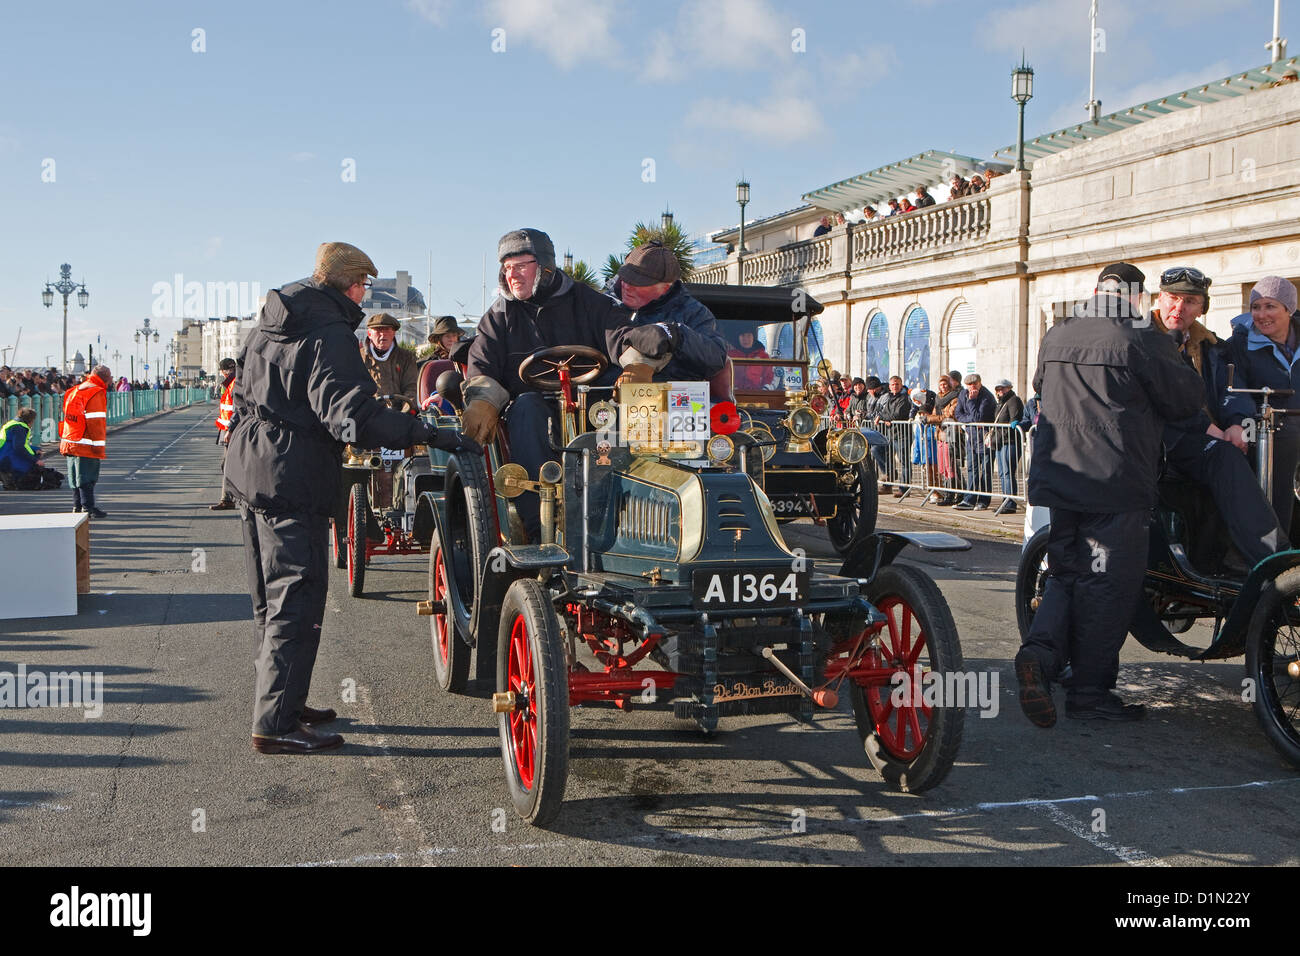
85 420
227 407
12 447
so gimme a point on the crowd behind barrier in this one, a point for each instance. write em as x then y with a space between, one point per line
977 461
122 406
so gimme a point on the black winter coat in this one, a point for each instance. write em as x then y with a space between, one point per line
511 330
1107 389
893 408
300 393
703 350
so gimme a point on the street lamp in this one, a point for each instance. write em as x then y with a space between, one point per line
1022 91
742 197
146 331
66 287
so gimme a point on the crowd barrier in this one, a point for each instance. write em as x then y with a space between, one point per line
122 406
981 460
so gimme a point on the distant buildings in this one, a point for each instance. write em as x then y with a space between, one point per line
399 298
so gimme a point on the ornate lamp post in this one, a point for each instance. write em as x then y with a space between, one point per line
66 287
742 197
146 331
1022 91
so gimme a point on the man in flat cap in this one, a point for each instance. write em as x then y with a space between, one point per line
391 366
1108 383
538 306
301 392
650 284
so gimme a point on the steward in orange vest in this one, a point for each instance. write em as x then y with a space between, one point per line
225 418
84 436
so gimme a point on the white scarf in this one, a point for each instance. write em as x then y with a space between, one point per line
381 358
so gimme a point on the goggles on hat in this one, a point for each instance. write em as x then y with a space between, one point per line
1185 274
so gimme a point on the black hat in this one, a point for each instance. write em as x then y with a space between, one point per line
858 381
226 364
649 264
1127 274
872 382
444 325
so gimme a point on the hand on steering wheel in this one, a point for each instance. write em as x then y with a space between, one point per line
541 370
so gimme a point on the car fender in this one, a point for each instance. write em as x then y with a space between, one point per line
877 550
1231 640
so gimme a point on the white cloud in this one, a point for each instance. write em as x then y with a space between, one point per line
567 31
850 72
435 11
780 119
723 34
1050 27
1112 102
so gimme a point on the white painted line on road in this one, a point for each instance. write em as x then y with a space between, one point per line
1127 854
383 767
38 804
163 450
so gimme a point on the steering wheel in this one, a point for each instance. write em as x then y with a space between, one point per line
541 370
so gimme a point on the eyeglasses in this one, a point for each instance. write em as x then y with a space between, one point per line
510 267
1185 274
367 285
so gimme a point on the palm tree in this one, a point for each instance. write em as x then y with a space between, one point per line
610 269
581 272
673 237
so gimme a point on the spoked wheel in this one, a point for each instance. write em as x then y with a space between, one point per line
357 509
856 518
910 742
1031 580
450 653
535 733
339 541
1273 662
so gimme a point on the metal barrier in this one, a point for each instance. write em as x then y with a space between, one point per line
122 406
976 462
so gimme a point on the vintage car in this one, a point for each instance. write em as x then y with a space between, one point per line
813 470
662 579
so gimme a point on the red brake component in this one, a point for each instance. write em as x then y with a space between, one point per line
818 403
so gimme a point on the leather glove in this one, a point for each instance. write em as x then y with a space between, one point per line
655 341
636 374
478 423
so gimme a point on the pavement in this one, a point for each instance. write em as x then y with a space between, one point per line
165 775
914 507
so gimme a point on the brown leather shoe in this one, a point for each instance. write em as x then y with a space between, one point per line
304 740
310 715
222 506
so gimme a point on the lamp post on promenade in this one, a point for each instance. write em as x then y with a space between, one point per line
66 287
742 197
146 331
1022 91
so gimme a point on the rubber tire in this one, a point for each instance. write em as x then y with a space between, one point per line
526 602
338 543
943 734
1262 637
450 653
848 529
471 540
1028 571
357 508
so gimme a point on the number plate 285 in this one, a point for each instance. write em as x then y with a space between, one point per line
781 588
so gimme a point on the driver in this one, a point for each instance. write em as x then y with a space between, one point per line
391 366
538 307
650 284
750 378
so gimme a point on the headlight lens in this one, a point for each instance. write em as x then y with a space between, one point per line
803 422
850 446
720 448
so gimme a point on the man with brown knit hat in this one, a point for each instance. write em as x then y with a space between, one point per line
302 392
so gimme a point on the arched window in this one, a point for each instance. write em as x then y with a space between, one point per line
816 345
877 348
961 339
916 349
784 342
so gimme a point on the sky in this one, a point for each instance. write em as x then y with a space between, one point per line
153 145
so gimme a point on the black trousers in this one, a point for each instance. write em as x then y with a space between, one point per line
1095 565
285 556
528 419
1220 467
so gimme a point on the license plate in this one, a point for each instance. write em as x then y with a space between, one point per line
775 588
392 454
800 505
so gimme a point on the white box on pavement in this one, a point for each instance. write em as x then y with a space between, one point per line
39 564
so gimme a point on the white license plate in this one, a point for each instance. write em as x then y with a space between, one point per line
781 588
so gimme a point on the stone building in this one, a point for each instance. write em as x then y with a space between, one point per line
1205 177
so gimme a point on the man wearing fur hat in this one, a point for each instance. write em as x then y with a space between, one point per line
392 367
1202 447
538 306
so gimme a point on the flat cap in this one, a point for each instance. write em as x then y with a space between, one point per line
1125 273
342 259
649 264
1003 383
382 320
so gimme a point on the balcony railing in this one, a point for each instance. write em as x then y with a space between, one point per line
789 263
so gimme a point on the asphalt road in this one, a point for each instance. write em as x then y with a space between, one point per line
166 774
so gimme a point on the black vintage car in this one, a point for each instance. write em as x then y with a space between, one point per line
662 579
812 470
